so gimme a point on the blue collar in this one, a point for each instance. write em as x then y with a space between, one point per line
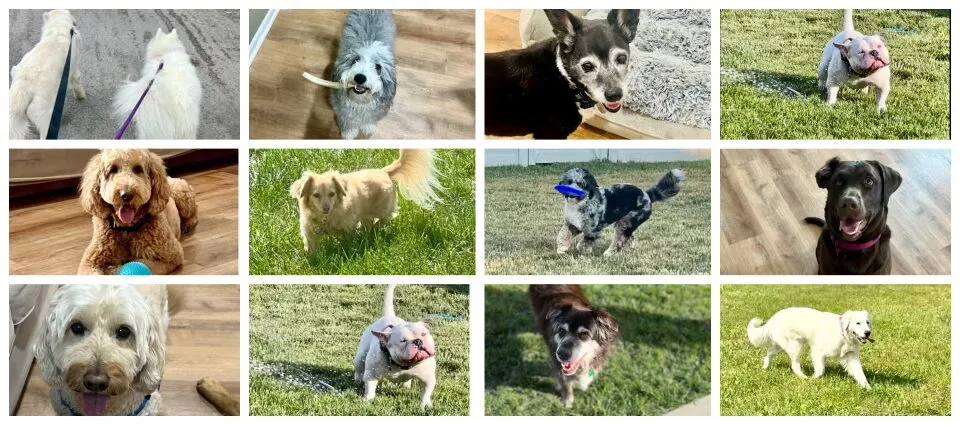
74 412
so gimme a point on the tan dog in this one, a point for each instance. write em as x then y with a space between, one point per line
138 212
333 203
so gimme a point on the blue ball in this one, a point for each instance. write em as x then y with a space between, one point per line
135 268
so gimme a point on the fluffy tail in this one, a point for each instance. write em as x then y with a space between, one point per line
388 301
815 220
415 175
668 186
758 334
186 201
848 20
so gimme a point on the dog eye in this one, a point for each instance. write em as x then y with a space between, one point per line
123 332
355 60
77 328
584 335
562 332
137 169
858 323
379 69
838 183
316 195
114 169
621 59
868 182
587 67
331 194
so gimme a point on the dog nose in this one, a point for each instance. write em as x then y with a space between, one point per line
96 381
563 354
614 94
418 342
867 333
849 203
359 78
126 196
875 53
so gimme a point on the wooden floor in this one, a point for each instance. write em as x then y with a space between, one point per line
203 340
765 194
436 87
50 238
502 32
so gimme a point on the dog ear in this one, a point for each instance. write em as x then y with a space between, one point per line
824 174
565 26
845 319
301 187
427 323
890 179
554 314
53 329
152 352
624 20
383 336
159 186
90 199
607 326
845 46
340 185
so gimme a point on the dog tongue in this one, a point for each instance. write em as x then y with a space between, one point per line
851 226
126 214
95 404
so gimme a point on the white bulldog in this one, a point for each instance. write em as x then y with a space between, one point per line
397 350
856 60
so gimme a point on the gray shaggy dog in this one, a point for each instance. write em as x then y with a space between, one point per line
366 65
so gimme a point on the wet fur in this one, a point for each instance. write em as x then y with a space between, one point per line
624 206
165 206
557 307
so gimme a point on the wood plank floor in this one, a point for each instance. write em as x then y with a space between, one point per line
765 194
502 32
203 340
50 238
436 86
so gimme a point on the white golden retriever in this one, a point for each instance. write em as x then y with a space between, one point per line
829 335
36 79
103 348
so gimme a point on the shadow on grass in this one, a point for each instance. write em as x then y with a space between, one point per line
509 315
307 376
349 246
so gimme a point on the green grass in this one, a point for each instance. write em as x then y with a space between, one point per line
784 47
524 214
417 242
302 336
661 362
908 366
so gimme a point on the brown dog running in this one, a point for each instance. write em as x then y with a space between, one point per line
579 336
855 237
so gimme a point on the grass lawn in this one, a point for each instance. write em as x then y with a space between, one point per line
417 242
908 366
303 339
918 106
524 214
661 362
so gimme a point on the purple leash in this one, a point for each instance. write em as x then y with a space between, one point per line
126 123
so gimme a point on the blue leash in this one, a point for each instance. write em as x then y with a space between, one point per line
123 129
54 129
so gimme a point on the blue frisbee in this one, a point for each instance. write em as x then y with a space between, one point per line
135 268
570 191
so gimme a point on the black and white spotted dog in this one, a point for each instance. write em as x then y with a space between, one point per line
624 206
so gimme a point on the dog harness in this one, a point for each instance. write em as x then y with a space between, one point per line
74 412
841 246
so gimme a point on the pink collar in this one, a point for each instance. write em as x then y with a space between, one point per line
840 246
843 332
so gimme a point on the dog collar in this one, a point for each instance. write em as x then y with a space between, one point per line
135 227
386 352
580 94
846 62
840 246
74 412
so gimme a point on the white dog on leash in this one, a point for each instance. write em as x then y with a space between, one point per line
171 109
828 335
36 79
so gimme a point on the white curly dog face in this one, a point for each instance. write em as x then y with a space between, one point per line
103 343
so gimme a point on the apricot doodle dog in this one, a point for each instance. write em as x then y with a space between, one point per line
139 213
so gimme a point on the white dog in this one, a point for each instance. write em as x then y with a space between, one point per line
856 60
103 349
397 350
828 335
171 109
36 79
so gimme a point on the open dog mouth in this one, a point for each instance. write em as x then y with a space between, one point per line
126 213
570 368
852 228
94 404
864 339
359 89
612 107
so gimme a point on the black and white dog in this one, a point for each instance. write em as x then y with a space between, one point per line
624 206
543 88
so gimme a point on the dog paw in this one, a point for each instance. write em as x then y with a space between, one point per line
368 129
426 404
350 133
881 109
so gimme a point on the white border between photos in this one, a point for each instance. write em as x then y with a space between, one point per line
477 340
